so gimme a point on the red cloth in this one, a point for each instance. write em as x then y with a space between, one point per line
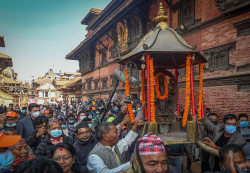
17 161
53 141
150 144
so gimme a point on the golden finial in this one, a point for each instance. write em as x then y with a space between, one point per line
162 18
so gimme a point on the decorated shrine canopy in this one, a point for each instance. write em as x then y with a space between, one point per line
165 46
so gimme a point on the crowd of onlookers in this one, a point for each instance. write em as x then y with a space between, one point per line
79 138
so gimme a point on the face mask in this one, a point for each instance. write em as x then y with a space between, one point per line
134 111
12 125
230 129
244 124
36 114
23 111
64 126
82 117
214 122
56 133
115 109
97 112
90 126
6 159
138 109
71 121
90 117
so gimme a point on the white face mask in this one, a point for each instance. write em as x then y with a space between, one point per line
36 114
82 117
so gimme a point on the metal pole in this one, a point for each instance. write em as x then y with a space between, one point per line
148 86
192 90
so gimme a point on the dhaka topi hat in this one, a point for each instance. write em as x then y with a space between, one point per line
150 145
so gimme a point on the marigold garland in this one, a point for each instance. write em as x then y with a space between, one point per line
200 89
152 91
187 95
130 110
157 87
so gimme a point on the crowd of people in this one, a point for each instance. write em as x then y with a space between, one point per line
79 138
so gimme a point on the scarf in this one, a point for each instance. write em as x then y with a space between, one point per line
17 161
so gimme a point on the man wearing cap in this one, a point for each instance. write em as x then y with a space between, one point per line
11 119
6 156
150 156
86 141
106 155
25 126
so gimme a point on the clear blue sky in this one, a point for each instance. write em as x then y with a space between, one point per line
40 33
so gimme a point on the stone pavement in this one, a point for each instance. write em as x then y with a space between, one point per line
196 166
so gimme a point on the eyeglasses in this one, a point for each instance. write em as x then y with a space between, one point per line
84 133
64 158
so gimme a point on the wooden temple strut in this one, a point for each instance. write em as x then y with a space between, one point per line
148 86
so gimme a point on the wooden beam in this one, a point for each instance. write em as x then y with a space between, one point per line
110 36
169 2
102 44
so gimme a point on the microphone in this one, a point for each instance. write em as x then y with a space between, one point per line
121 77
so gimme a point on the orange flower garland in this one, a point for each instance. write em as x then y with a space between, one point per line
187 95
157 87
130 110
152 91
200 89
142 87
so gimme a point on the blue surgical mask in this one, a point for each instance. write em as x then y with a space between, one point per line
134 111
90 117
138 109
97 112
23 111
230 129
64 126
12 125
6 160
244 124
90 126
71 121
115 109
56 133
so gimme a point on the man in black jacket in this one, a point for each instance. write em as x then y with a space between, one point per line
25 126
39 134
86 141
54 136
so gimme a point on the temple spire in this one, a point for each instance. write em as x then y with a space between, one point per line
162 18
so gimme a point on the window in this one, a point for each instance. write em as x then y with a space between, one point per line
218 57
113 78
186 15
83 86
96 84
104 83
103 56
89 85
46 94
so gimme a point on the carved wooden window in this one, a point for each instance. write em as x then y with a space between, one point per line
186 13
86 60
104 83
96 84
218 57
